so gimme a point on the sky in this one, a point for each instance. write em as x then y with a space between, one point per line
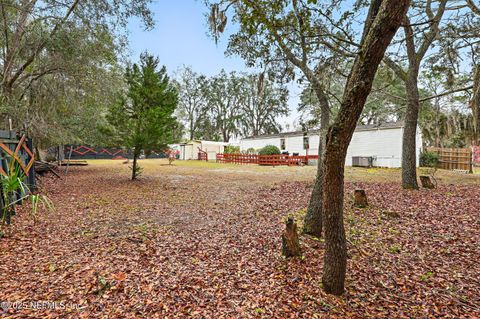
180 38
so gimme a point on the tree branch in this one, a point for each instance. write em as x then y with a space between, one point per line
434 29
446 93
301 64
32 57
395 68
475 9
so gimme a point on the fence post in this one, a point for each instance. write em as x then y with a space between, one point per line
31 173
471 160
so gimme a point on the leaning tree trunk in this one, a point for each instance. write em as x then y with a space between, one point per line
409 146
335 260
313 218
381 25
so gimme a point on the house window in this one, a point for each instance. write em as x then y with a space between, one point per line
306 143
282 144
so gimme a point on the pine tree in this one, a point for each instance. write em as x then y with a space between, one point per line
143 119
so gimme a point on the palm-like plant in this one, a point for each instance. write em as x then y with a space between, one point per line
11 184
14 190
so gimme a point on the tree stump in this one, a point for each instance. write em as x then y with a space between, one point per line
360 198
426 182
290 241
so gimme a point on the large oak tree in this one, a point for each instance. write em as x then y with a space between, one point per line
383 19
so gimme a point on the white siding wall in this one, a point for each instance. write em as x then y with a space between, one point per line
190 151
384 144
293 144
212 149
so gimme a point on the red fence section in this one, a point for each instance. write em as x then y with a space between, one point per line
202 155
237 158
272 160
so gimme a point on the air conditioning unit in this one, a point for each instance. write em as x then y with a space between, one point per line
362 161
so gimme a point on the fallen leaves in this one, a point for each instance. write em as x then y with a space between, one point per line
183 243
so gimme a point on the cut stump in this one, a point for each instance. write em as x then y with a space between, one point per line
427 182
360 198
290 241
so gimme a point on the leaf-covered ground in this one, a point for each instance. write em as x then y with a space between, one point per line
203 241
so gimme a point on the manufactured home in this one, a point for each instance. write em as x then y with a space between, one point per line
190 150
381 145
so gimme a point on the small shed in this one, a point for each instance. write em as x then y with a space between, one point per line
189 150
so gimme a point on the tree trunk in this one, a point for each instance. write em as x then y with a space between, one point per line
409 144
335 259
475 105
359 84
191 131
226 136
409 148
134 166
313 219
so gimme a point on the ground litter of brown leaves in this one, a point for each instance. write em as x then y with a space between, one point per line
204 242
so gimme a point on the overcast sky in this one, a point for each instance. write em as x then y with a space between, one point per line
180 38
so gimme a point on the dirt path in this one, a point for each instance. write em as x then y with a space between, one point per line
202 242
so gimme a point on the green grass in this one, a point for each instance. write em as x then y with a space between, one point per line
282 173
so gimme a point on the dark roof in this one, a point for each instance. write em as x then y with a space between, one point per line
359 128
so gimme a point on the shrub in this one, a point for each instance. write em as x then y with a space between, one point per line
429 159
230 149
13 191
269 150
251 150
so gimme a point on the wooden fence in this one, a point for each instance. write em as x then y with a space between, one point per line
271 160
453 158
